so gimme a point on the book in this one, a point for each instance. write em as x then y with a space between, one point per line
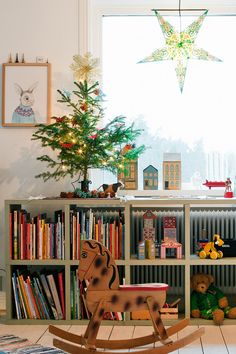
61 292
54 292
24 295
15 234
16 297
21 301
41 297
10 234
48 295
32 298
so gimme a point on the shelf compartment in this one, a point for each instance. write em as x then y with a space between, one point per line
137 233
104 224
37 293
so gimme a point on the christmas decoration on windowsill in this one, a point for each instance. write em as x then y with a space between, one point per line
180 45
79 140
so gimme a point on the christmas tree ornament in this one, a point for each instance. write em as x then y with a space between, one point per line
85 68
180 46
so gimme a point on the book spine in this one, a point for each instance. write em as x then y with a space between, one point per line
15 235
22 303
24 296
61 293
16 297
10 235
48 295
55 296
35 307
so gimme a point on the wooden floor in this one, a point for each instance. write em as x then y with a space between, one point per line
222 339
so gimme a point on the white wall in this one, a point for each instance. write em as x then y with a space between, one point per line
46 28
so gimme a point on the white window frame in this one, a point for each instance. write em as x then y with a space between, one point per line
91 13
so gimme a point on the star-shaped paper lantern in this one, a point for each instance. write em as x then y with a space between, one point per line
180 46
85 67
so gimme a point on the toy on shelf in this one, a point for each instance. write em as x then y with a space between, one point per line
169 311
170 240
209 249
105 294
129 177
211 184
148 225
208 301
110 190
150 178
149 234
172 171
228 189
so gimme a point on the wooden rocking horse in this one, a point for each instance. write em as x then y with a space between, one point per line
104 294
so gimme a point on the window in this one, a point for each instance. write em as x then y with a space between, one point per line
199 123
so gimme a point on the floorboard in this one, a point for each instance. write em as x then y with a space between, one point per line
221 340
213 341
229 336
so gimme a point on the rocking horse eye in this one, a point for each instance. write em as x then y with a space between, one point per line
84 255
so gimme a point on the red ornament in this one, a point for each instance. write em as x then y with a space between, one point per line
94 136
60 119
96 92
84 106
66 145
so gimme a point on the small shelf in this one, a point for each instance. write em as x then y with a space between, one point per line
195 260
157 262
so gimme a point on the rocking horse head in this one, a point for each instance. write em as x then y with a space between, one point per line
97 266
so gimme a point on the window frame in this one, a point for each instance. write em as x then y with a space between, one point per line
91 14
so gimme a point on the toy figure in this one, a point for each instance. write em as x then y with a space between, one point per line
207 301
228 189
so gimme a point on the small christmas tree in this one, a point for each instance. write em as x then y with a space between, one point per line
77 138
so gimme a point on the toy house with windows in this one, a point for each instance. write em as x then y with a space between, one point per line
150 178
148 225
170 240
172 171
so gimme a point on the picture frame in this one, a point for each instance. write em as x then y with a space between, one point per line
26 97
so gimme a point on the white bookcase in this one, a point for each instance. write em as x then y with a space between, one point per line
176 272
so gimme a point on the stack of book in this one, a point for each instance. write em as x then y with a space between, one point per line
36 237
104 226
39 296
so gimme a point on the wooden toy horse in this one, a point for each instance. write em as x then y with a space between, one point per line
104 294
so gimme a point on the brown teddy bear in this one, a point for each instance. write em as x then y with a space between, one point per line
207 301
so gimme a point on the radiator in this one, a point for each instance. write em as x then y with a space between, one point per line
220 220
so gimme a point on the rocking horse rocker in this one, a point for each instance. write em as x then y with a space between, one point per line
104 294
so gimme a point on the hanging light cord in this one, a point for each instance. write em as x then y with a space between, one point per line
180 25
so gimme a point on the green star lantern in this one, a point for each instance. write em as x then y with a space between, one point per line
180 46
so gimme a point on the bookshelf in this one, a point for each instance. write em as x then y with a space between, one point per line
175 272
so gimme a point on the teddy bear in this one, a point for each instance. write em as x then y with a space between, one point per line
208 301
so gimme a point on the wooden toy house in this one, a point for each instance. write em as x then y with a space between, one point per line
172 171
150 178
170 241
130 179
148 225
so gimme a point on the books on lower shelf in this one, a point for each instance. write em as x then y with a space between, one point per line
36 237
39 295
104 226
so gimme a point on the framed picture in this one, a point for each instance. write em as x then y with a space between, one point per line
25 94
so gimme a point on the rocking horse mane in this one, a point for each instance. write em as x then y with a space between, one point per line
105 253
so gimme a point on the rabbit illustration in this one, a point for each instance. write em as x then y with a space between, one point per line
24 112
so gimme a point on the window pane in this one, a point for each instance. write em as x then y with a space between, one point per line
199 123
